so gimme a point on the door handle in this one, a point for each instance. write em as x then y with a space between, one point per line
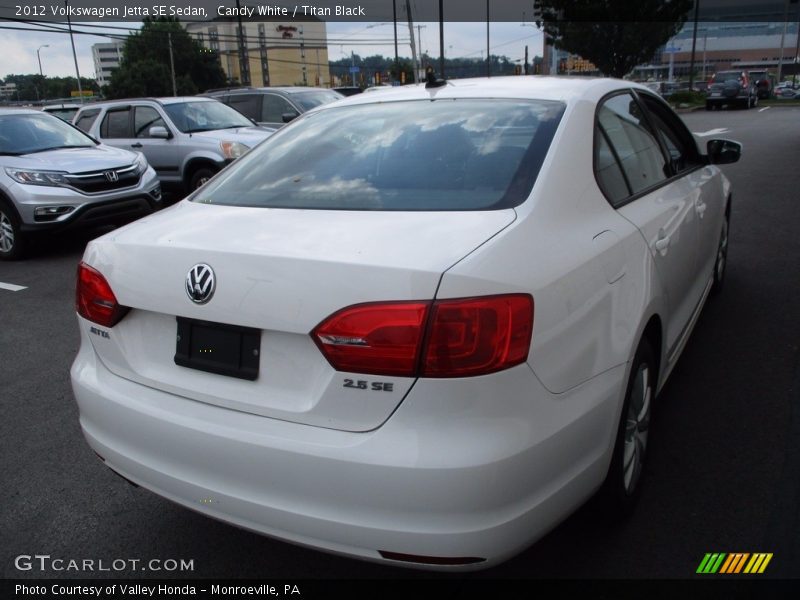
662 243
701 208
136 145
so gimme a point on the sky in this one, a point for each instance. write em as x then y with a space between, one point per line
18 48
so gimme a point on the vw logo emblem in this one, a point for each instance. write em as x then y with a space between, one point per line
112 176
200 283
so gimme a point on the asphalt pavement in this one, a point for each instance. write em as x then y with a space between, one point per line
724 470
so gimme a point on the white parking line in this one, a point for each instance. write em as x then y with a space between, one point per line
11 287
763 109
710 132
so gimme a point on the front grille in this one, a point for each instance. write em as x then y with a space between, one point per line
103 181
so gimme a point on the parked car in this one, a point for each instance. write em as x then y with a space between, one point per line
420 327
731 88
64 111
764 82
786 91
186 139
53 176
274 106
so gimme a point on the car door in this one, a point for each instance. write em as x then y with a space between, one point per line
247 104
273 108
636 177
702 183
160 153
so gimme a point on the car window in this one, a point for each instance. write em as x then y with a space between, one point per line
195 116
679 143
145 117
116 124
247 104
609 174
308 100
622 121
471 154
274 108
86 119
28 133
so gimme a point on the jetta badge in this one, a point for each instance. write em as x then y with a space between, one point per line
200 283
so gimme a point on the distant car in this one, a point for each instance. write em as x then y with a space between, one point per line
350 90
764 82
787 92
420 326
53 176
731 88
186 139
274 106
65 112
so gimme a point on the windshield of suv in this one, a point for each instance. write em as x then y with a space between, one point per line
309 100
27 133
190 117
471 154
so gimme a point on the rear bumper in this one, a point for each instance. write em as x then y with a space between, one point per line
479 468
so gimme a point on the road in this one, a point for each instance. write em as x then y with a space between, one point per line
724 471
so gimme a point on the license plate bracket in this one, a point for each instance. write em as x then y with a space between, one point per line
228 350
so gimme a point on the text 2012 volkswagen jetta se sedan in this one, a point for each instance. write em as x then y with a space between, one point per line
420 327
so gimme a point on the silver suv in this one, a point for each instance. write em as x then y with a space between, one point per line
186 140
53 176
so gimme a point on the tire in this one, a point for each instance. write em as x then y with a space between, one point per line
623 484
12 240
755 101
722 255
709 106
199 177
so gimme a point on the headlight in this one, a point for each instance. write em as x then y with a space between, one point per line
37 177
232 150
141 163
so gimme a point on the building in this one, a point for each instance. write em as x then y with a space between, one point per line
107 57
277 53
7 90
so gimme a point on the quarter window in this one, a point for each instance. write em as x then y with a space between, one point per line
87 119
274 108
247 104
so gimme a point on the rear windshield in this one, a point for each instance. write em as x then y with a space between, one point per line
727 76
472 154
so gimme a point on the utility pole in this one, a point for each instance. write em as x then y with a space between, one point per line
413 44
527 68
396 58
488 56
441 39
38 56
172 65
419 41
244 64
783 36
74 55
694 44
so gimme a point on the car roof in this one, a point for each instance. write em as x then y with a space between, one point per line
163 101
281 90
568 89
12 110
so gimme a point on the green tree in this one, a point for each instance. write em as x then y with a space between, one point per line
145 67
616 35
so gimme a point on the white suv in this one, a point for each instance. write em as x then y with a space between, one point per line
187 140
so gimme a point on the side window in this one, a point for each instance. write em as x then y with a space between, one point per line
274 108
679 143
247 104
116 124
87 119
621 119
145 117
609 173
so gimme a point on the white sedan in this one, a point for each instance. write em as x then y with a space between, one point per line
419 327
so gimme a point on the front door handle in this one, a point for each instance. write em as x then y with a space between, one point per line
700 207
662 243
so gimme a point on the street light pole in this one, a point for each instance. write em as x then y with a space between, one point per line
38 56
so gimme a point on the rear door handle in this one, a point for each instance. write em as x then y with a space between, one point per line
136 145
700 207
662 243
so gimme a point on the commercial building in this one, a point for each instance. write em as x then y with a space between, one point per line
107 57
276 52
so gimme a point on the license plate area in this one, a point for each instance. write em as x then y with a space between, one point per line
227 350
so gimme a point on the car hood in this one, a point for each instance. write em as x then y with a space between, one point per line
74 160
249 136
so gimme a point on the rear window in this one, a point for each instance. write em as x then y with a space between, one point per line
445 154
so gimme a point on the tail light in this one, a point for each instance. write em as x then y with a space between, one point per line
94 299
444 338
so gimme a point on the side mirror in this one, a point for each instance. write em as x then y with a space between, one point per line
289 116
723 152
159 132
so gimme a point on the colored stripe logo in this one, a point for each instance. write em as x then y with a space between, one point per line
734 563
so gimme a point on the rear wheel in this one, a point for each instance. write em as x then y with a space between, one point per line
199 178
12 241
722 256
623 483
